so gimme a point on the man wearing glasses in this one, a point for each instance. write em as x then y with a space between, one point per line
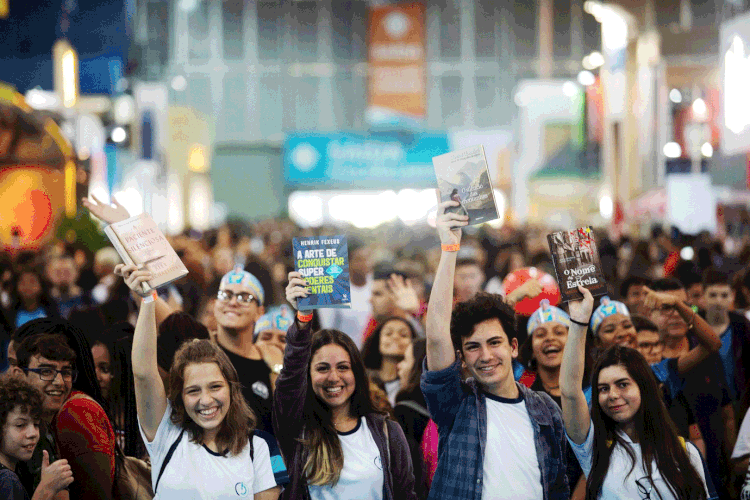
238 306
74 426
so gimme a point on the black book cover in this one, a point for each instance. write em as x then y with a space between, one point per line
577 262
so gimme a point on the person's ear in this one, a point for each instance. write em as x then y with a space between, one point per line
16 372
514 348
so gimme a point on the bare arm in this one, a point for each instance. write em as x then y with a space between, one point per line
697 438
575 411
150 396
579 493
440 351
269 494
730 426
708 341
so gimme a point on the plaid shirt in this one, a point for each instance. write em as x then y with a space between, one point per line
459 410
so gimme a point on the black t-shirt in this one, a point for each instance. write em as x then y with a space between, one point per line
706 393
539 387
255 377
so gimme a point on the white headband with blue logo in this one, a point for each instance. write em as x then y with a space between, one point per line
546 314
277 318
239 276
607 308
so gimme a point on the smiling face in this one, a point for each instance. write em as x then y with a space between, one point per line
488 355
547 344
395 337
331 376
618 394
233 315
54 392
617 329
206 396
19 437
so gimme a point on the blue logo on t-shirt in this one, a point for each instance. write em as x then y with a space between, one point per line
378 463
240 489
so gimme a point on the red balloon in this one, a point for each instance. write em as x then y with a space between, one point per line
527 306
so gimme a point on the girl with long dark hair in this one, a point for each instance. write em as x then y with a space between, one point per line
627 445
335 443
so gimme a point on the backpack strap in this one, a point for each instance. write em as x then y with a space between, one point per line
413 405
168 458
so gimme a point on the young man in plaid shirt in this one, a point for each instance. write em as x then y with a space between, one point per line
498 439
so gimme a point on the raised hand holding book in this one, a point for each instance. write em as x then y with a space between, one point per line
141 243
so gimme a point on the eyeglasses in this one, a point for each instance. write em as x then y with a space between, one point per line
649 346
50 374
243 298
645 487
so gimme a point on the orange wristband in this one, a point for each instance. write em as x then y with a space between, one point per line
451 248
304 318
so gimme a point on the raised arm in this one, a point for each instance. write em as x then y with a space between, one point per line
440 351
574 408
291 386
708 341
150 396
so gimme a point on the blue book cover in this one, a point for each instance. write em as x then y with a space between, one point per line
324 262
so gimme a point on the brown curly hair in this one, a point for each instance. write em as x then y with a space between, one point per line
240 419
17 393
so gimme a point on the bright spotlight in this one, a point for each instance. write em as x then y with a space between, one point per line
586 78
672 150
119 134
675 96
707 150
606 207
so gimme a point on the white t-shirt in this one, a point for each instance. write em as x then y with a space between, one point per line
362 475
742 448
511 467
391 389
617 485
196 473
351 321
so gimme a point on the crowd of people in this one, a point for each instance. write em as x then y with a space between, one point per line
432 385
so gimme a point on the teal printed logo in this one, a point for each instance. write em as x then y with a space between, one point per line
241 489
334 270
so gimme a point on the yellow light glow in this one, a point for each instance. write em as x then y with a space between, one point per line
69 78
70 188
197 159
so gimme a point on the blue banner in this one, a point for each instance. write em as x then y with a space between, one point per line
362 161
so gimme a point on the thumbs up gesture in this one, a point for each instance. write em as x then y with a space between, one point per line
55 476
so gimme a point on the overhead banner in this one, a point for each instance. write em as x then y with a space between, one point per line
396 56
354 160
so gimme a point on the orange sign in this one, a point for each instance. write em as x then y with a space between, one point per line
397 60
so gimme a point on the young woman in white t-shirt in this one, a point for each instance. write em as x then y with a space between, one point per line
627 445
198 429
336 445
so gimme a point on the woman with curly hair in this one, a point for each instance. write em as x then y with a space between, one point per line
198 430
